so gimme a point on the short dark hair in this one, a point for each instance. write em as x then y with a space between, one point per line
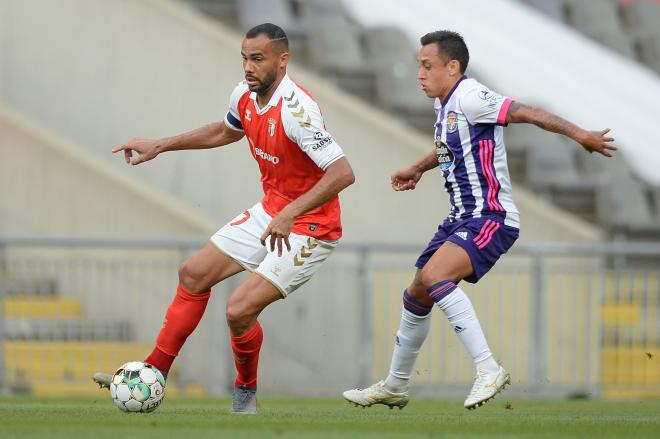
272 31
451 44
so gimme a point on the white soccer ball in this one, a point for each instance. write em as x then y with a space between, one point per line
137 387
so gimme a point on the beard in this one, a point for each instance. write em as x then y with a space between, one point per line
264 84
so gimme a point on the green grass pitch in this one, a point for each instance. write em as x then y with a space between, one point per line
96 418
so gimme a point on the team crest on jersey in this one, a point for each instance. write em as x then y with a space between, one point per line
248 114
272 123
452 122
445 156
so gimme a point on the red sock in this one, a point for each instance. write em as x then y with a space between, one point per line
183 315
246 356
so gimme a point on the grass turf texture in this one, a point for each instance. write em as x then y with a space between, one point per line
25 417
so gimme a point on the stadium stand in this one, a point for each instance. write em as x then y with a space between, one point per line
336 48
253 12
599 19
623 206
393 59
177 195
551 8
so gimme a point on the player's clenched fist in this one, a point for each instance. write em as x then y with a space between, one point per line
146 150
405 179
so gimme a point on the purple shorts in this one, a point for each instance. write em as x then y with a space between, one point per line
485 239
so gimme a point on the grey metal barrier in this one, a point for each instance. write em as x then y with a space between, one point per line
564 319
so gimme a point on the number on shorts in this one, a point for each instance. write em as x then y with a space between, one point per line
242 220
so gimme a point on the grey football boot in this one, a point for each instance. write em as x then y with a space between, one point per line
244 401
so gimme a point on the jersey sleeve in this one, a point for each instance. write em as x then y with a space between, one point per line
304 125
232 118
481 105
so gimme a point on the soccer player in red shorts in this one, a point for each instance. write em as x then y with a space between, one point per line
483 222
282 240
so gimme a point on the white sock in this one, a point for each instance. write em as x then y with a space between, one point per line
460 312
412 332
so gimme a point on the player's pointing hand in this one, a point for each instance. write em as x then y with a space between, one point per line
146 150
598 141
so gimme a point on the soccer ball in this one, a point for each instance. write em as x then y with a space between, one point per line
137 387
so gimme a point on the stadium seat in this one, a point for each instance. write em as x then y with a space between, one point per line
622 204
254 12
335 49
321 7
642 18
518 139
334 43
223 10
552 171
393 58
68 329
551 162
655 196
599 19
649 51
280 12
593 15
551 8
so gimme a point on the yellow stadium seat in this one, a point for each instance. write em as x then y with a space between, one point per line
43 307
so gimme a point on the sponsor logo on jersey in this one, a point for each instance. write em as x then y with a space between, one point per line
492 98
445 156
462 235
272 123
265 156
322 140
313 227
452 122
248 114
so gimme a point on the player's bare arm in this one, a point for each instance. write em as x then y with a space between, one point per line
592 141
209 136
407 178
338 176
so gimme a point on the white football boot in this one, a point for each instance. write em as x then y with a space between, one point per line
377 394
486 386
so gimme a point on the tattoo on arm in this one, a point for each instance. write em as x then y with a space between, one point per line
521 113
428 162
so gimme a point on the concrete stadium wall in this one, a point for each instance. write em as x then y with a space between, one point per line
101 72
51 187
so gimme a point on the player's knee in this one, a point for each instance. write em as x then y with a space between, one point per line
427 278
191 278
238 317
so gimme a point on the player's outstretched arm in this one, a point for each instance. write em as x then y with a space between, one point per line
338 176
209 136
592 141
407 178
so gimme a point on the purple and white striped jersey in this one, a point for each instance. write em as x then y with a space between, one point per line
469 143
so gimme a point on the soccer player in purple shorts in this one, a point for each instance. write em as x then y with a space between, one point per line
483 222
